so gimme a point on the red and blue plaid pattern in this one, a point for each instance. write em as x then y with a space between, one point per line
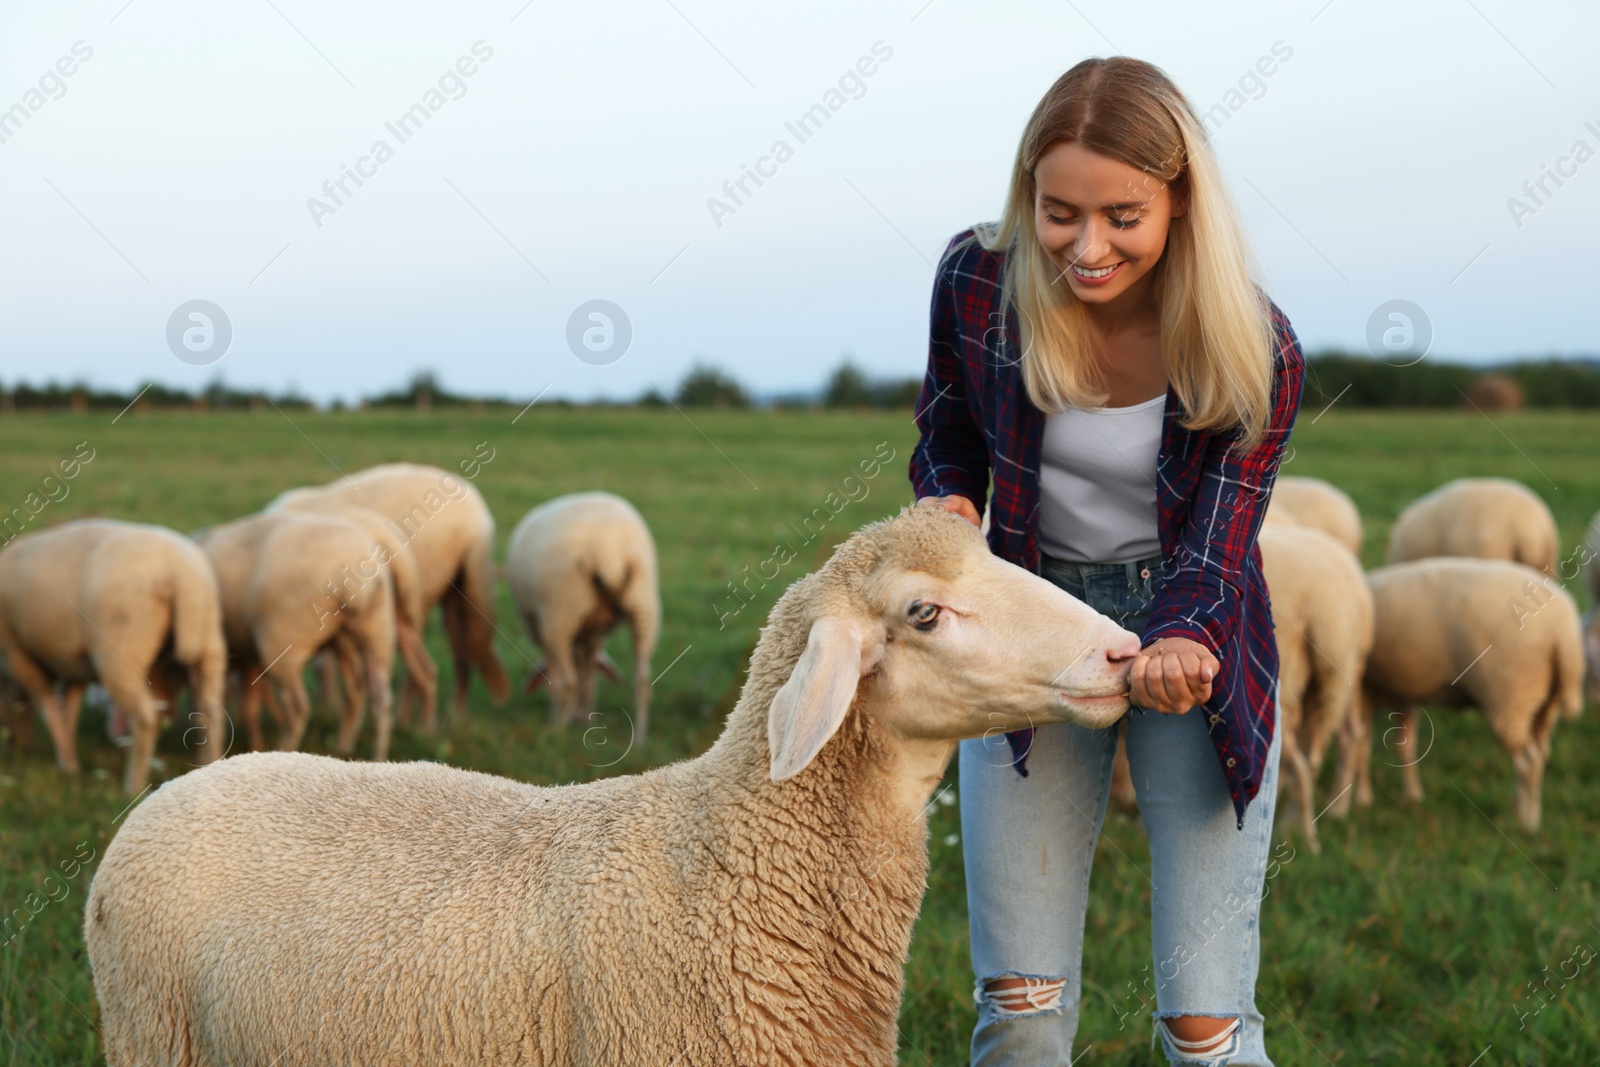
975 418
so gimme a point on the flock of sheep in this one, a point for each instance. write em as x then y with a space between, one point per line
1468 611
348 571
753 904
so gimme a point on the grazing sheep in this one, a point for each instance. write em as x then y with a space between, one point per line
1321 505
292 584
577 566
1460 632
1323 617
751 905
391 551
132 606
451 532
1487 518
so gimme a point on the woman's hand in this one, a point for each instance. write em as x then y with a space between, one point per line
1172 675
958 504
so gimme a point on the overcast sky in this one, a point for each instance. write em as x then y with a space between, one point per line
579 158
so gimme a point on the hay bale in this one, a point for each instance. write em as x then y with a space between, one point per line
1495 392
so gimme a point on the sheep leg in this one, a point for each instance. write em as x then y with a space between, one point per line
378 671
71 705
146 722
1529 762
130 691
232 699
1354 736
330 674
65 740
206 686
274 701
32 677
456 630
421 673
1305 788
288 674
1335 702
1406 749
372 640
644 639
1295 730
1363 779
402 704
587 655
117 731
1529 754
250 707
296 713
562 673
348 655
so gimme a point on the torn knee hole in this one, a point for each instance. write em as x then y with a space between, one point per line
1197 1036
1021 994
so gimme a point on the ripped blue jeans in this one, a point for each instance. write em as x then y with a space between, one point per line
1029 843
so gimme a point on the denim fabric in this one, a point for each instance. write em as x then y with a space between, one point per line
1029 844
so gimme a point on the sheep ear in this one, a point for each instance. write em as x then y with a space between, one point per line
812 704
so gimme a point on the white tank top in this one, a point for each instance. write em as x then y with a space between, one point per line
1097 483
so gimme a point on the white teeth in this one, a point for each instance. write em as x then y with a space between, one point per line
1095 273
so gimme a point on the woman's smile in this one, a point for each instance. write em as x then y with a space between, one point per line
1097 276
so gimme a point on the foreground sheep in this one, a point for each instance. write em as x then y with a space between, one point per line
1488 518
286 596
1463 632
132 606
751 905
1323 616
451 532
1312 502
578 565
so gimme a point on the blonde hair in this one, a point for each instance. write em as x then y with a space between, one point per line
1216 331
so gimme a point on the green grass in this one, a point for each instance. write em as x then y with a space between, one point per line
1412 939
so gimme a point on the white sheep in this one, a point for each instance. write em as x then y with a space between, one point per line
1460 632
1323 617
1487 518
751 905
578 566
391 552
132 606
1302 501
293 584
449 528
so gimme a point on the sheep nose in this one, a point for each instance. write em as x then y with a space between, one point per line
1121 649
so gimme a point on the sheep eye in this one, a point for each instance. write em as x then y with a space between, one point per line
923 615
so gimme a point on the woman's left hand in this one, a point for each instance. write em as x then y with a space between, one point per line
1172 675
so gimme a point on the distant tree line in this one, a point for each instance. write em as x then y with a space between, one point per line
81 397
1355 381
1365 382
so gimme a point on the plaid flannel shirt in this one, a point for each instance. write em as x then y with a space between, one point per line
975 418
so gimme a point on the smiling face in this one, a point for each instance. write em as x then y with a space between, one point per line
1102 222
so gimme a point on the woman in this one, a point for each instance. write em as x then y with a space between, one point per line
1103 351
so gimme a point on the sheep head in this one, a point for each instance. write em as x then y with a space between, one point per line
939 639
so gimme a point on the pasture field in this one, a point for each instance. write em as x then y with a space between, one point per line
1437 934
